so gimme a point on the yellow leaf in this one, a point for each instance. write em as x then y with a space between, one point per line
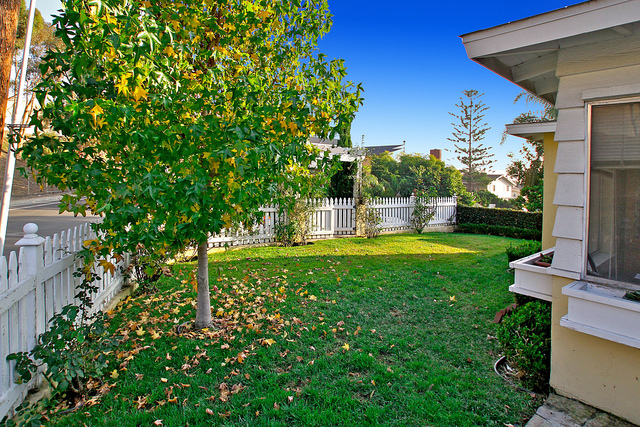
169 51
220 312
114 374
452 298
346 347
140 332
123 86
96 111
268 342
107 265
139 93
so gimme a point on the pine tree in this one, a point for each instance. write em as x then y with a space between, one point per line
468 130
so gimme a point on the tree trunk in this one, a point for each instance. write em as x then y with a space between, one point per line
8 26
203 310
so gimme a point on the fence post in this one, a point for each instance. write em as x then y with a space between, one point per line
30 264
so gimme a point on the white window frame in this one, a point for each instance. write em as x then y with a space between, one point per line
587 192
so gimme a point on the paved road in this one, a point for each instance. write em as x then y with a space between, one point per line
43 212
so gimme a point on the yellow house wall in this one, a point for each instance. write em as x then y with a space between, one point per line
550 181
598 372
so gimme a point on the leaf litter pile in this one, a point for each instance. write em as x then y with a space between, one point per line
313 336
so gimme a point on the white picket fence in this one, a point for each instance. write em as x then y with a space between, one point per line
35 285
336 217
38 282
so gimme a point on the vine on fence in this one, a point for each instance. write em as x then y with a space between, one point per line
72 351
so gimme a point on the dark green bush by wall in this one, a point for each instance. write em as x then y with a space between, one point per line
501 222
525 337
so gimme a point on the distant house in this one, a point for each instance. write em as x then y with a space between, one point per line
502 186
585 60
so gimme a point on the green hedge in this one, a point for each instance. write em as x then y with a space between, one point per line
498 230
522 250
499 217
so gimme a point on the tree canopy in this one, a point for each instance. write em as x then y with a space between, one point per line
528 169
411 173
43 39
179 119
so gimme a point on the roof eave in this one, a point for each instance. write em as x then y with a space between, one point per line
533 131
538 38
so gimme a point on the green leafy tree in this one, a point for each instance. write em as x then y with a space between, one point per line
343 180
43 39
179 119
528 169
411 173
469 129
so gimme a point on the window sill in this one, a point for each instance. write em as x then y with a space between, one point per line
602 312
530 279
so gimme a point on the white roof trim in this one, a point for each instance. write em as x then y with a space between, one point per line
551 26
533 131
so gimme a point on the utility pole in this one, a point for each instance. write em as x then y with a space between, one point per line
16 126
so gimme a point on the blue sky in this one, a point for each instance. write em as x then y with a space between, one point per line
413 67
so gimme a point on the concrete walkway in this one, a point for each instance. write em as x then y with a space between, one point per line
559 411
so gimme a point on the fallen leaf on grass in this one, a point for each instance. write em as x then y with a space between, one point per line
157 423
209 411
141 402
346 347
276 406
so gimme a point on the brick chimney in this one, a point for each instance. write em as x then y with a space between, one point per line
436 153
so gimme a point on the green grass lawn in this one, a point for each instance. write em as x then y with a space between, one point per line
392 331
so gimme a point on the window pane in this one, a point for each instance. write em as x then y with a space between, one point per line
614 208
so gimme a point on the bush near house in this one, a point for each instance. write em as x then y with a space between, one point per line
525 337
522 250
501 222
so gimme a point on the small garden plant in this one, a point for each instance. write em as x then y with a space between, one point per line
423 212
